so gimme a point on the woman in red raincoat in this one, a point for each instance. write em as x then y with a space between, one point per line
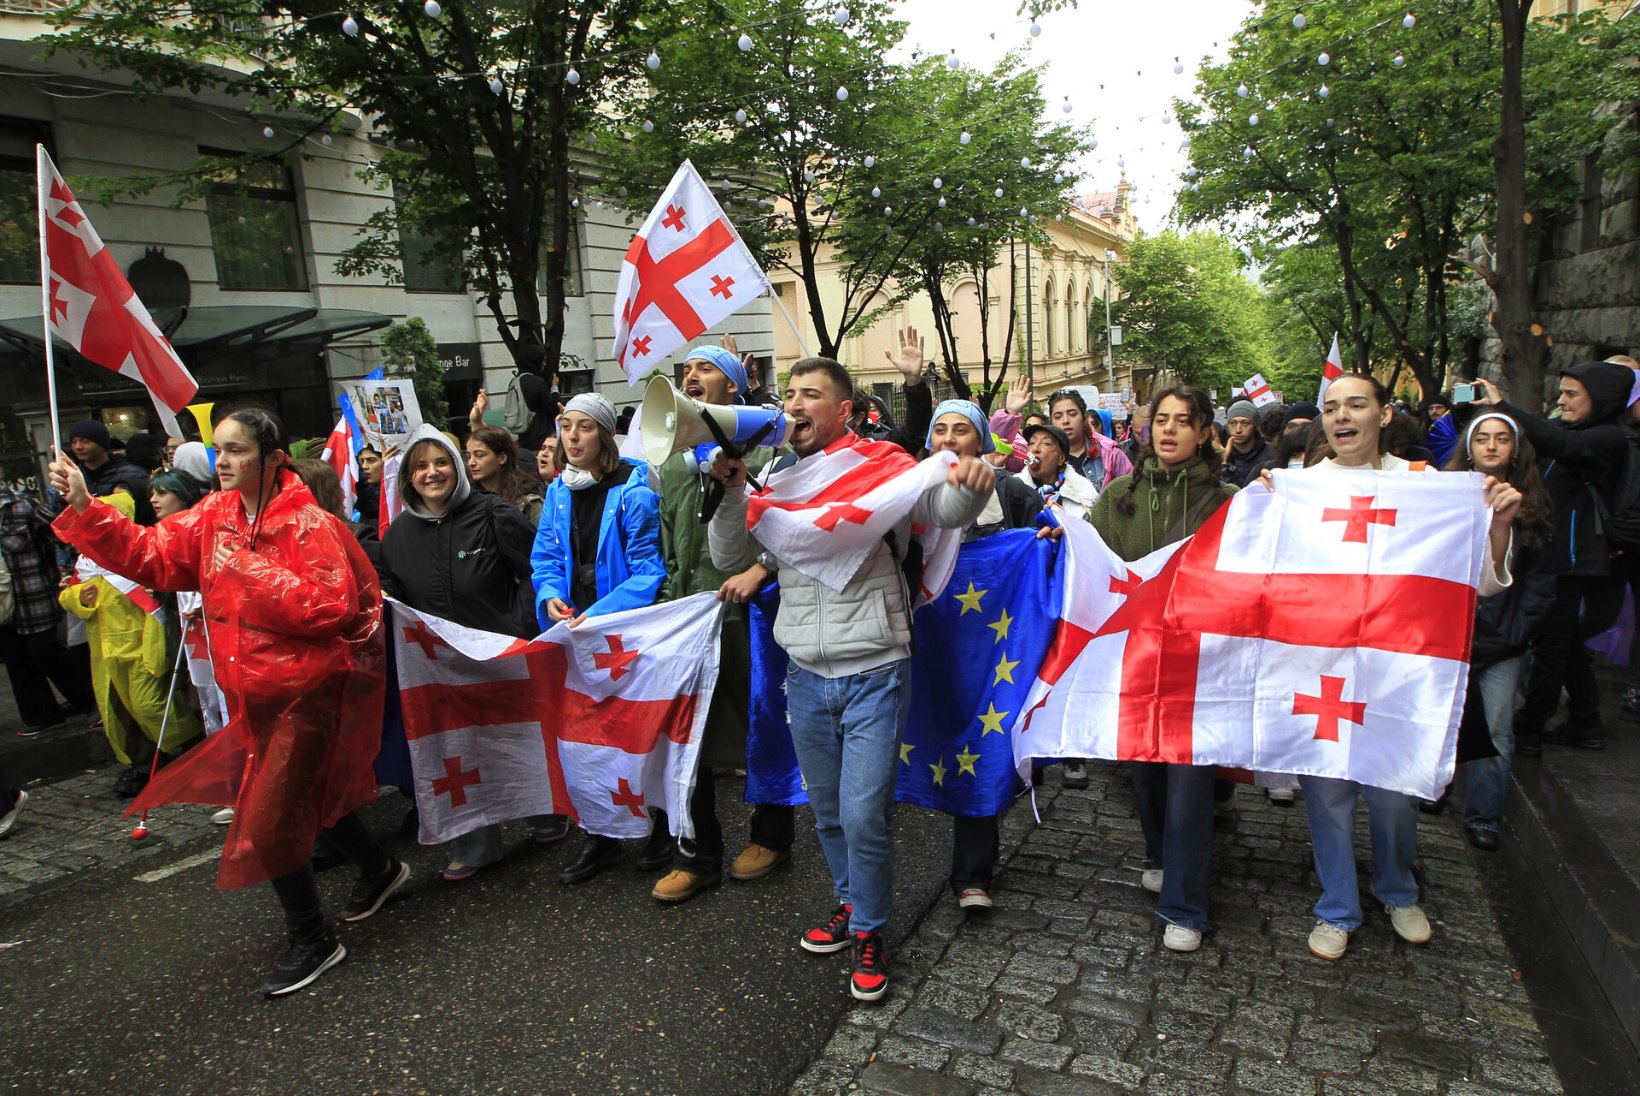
295 615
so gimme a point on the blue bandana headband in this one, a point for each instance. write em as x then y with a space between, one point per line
970 411
726 363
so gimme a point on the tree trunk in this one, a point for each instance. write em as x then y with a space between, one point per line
1524 353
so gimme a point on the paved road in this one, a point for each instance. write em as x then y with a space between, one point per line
509 982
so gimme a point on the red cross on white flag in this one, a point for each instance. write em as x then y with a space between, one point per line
91 306
1331 370
687 269
1257 389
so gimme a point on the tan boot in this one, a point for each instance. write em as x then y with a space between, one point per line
680 886
757 861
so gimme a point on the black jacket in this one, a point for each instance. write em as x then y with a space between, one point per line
472 565
1242 468
119 472
1507 622
1580 460
543 401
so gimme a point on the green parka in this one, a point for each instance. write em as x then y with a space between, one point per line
1169 505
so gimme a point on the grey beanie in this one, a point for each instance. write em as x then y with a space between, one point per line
1242 409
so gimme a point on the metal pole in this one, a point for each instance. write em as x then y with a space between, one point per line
1030 313
42 162
1110 351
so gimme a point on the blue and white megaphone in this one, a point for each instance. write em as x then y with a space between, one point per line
671 422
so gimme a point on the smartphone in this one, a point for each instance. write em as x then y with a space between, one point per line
1465 393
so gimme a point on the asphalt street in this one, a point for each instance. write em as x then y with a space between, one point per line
508 982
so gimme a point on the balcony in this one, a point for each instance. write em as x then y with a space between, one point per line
32 7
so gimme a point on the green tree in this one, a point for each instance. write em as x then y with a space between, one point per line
1187 306
409 350
477 105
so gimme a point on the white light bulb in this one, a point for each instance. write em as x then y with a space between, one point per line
267 131
1023 212
653 60
971 221
1410 21
966 137
952 63
1167 119
1178 67
876 192
572 77
745 43
1036 30
840 17
842 95
740 116
938 227
1324 60
1324 92
938 183
942 203
1299 21
621 190
1398 60
998 190
1093 143
496 87
1025 162
350 27
870 161
432 9
1242 91
808 176
649 127
1059 216
576 202
1058 177
1252 119
1121 162
1329 123
1247 153
325 140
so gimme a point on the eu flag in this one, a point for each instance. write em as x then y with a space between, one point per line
978 648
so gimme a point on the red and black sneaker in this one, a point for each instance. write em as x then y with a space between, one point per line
830 936
870 978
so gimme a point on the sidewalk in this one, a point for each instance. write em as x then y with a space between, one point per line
1065 987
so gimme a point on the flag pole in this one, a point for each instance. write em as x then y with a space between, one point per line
798 331
42 160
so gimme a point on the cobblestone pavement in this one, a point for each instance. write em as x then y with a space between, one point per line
1065 987
73 829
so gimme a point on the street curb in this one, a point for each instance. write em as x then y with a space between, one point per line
53 754
1593 895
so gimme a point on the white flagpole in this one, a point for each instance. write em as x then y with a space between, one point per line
43 169
798 331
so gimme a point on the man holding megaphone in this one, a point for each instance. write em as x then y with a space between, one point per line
713 380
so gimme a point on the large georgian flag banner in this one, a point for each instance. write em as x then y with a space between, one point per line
93 308
687 269
825 514
601 721
1323 629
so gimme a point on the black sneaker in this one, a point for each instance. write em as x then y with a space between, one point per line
830 936
303 964
1586 738
370 892
869 979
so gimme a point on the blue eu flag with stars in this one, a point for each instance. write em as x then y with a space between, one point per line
978 648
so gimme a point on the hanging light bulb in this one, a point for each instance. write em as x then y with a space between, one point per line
432 9
1329 123
1025 162
840 17
576 202
1247 153
869 162
1058 176
1167 119
740 116
1410 21
572 77
1066 105
1036 29
1398 60
997 192
887 210
267 131
938 227
1252 119
966 137
325 140
350 27
876 192
1299 21
1324 60
808 175
1059 216
1121 162
653 60
971 222
1178 68
942 203
938 183
1023 212
496 87
621 191
952 63
842 95
1093 143
1324 91
649 127
745 43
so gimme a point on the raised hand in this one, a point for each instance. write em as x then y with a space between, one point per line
1019 394
909 361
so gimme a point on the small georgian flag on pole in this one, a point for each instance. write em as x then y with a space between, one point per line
1330 371
1257 389
687 269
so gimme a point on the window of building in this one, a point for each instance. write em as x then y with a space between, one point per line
424 270
256 231
19 220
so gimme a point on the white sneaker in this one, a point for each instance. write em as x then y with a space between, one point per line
223 816
1328 941
1410 924
1179 938
9 819
1151 880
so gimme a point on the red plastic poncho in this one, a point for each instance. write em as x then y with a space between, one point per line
299 652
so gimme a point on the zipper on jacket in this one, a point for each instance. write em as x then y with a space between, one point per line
1574 538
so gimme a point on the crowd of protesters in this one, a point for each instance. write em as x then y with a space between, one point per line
247 549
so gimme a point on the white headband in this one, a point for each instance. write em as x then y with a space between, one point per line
1469 433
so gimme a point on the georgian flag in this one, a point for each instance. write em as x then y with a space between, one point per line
825 514
342 454
686 270
601 721
92 307
1331 370
1257 389
1323 629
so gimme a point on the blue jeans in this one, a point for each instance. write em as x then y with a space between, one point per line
846 731
1175 805
1393 822
1486 782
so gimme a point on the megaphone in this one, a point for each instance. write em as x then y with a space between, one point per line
671 422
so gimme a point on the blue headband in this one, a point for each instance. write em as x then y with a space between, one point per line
970 411
726 363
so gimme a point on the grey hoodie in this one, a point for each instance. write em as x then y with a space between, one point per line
407 493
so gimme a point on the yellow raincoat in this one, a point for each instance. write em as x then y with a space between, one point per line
130 664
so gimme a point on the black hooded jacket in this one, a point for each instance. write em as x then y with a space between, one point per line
1580 459
542 399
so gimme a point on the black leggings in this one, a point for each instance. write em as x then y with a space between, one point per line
298 892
